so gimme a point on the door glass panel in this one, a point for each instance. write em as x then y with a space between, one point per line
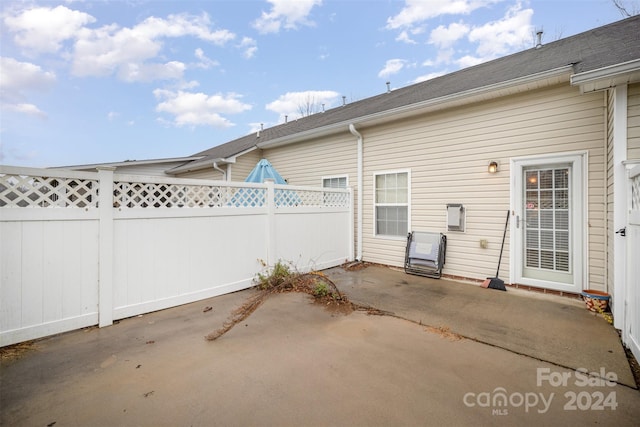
547 228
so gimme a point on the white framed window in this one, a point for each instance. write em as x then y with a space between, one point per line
392 197
338 181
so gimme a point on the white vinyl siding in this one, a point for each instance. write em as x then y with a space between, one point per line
633 122
392 203
448 153
306 163
244 164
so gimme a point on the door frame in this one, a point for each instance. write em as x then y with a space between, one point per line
580 239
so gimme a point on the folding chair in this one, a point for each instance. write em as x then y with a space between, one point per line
425 253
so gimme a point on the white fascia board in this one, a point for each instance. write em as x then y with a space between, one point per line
208 162
607 77
128 163
554 76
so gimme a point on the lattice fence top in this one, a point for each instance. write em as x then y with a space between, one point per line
163 195
40 191
29 187
311 198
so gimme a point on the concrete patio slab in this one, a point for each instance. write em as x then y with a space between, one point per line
546 327
294 363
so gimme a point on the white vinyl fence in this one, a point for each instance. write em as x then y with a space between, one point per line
82 248
631 328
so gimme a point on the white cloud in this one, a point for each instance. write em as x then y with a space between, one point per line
181 25
405 37
498 38
429 76
285 13
23 108
203 61
392 66
418 11
128 52
43 29
445 37
199 109
298 104
133 72
502 36
125 51
250 47
17 79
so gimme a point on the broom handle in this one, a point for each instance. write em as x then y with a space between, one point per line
502 247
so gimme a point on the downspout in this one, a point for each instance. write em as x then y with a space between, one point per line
224 173
357 134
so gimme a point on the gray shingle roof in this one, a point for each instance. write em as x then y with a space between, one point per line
611 44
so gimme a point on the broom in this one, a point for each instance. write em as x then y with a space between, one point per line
496 282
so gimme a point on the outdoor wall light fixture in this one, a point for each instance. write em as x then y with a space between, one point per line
493 167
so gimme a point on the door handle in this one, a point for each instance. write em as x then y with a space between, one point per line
622 231
517 221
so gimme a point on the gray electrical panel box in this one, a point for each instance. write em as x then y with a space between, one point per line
455 217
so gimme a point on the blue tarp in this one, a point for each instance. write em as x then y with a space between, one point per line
264 171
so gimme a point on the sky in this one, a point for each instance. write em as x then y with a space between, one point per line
84 82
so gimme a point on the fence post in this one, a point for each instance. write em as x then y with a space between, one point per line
271 223
105 262
352 237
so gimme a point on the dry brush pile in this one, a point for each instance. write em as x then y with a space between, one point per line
283 278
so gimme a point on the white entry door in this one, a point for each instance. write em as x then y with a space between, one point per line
548 205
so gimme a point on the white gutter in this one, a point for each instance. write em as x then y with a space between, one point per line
611 71
357 134
224 173
406 110
203 164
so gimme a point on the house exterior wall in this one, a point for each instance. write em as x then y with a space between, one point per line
306 163
633 122
448 153
245 164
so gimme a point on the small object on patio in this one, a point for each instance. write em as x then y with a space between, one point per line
425 253
207 308
596 301
496 282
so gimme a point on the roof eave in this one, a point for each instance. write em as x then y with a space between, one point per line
129 163
607 77
521 84
207 162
